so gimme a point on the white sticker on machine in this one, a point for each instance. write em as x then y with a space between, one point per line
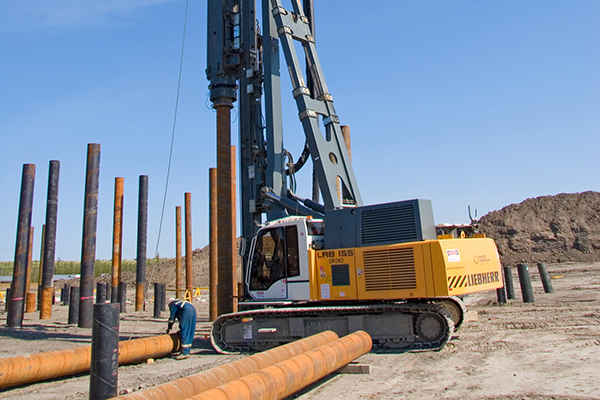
453 255
325 291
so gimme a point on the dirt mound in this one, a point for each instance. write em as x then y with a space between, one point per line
560 228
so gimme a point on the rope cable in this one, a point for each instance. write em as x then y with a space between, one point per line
155 259
173 133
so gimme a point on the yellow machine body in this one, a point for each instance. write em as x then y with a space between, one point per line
427 269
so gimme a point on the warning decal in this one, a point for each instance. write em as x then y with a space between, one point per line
453 255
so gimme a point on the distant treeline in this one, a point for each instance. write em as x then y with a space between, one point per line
69 267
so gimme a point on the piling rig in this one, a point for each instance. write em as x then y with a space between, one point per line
309 267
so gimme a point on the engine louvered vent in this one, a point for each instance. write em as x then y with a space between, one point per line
340 275
390 269
388 225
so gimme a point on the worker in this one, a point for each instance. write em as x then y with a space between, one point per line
185 313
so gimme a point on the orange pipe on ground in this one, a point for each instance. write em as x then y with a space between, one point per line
43 366
186 387
287 377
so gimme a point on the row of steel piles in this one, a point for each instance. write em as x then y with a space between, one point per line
273 374
19 292
142 234
21 269
43 366
20 286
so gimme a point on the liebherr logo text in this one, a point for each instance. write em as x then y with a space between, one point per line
460 281
340 253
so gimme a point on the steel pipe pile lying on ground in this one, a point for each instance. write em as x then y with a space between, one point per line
189 386
289 376
43 366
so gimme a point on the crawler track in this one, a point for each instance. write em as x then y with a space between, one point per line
393 327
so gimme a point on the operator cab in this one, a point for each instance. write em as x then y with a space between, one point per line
278 262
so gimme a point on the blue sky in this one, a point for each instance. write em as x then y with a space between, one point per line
463 102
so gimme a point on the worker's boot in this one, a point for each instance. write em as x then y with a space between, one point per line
185 353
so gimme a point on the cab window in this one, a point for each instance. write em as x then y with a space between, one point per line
276 257
293 257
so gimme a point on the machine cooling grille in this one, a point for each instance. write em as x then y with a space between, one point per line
385 225
390 269
340 275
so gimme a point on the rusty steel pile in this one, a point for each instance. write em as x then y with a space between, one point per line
275 373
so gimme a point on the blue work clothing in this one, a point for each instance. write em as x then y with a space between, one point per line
185 313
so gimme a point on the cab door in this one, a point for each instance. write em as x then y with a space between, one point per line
267 278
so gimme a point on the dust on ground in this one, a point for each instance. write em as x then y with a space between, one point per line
549 349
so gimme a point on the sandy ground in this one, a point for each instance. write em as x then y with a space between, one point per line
546 350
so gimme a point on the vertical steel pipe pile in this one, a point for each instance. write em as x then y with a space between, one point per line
30 300
159 299
29 297
66 291
109 292
117 236
42 366
234 282
104 360
508 282
545 277
189 277
525 281
122 296
7 303
225 251
29 261
142 240
18 285
501 295
47 291
100 293
289 376
189 386
41 269
179 291
347 141
88 250
213 262
73 305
